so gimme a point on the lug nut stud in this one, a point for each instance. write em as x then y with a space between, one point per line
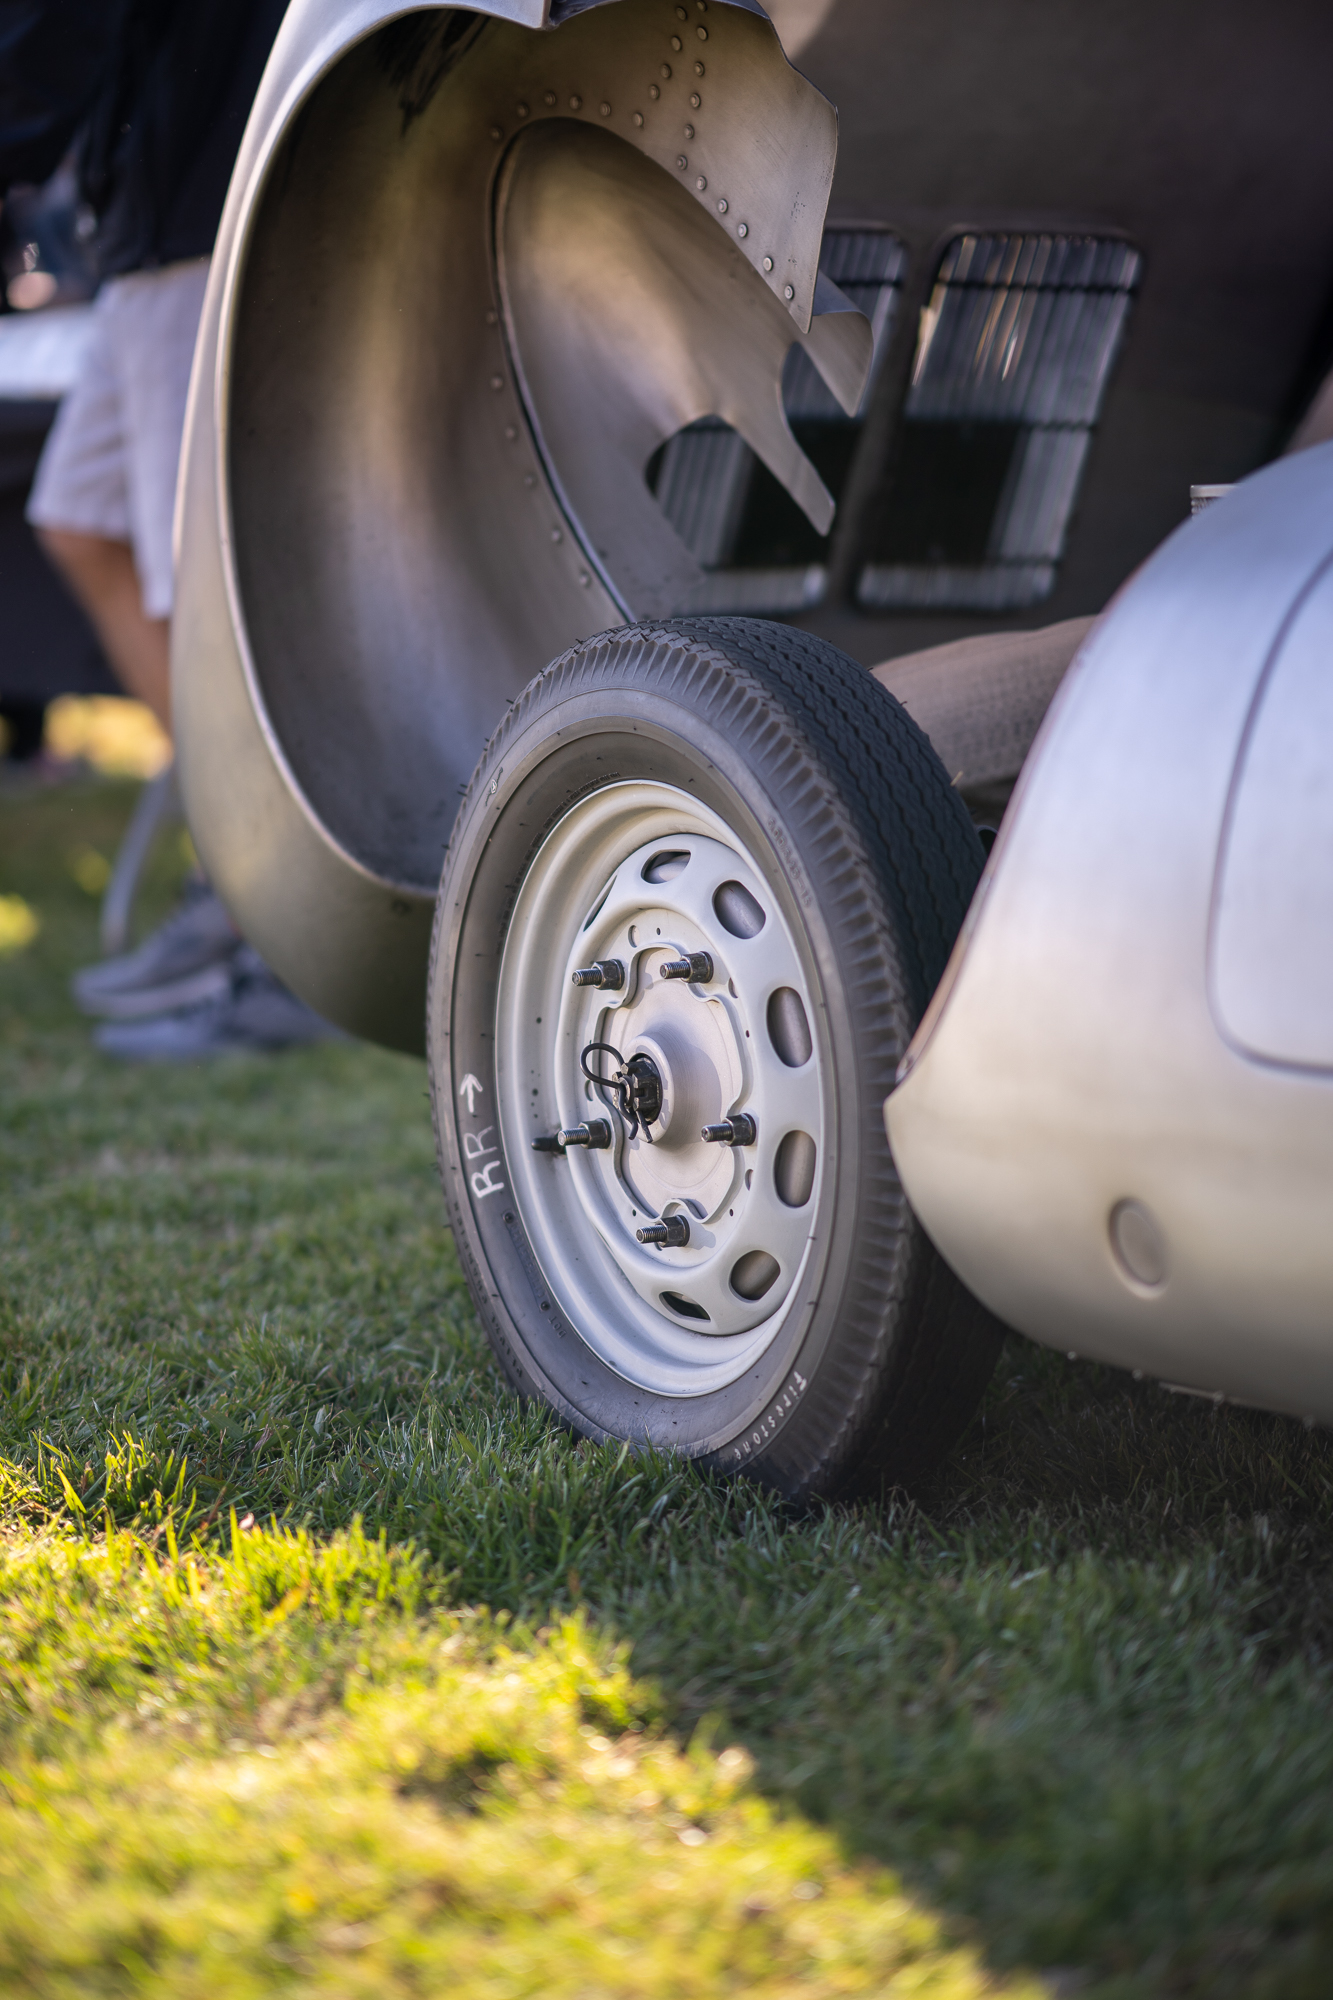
698 967
673 1234
602 972
595 1135
738 1131
549 1142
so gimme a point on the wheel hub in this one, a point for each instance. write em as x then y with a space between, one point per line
649 980
690 1047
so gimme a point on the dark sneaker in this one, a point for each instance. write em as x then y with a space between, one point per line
257 1013
187 960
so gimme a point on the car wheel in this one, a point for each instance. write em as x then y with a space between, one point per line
701 888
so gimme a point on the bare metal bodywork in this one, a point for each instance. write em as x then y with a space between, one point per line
1117 1123
377 549
476 268
469 275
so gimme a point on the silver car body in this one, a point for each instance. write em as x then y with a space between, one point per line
1117 1120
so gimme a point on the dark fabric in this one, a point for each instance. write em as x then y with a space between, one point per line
47 646
25 721
157 92
53 58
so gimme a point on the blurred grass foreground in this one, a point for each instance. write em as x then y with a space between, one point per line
327 1669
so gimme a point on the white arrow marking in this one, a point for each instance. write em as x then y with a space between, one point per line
468 1088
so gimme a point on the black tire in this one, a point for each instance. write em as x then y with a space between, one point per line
879 1354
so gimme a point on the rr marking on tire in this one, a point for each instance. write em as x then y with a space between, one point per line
473 1147
482 1184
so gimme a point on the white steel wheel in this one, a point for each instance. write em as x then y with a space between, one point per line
640 880
703 884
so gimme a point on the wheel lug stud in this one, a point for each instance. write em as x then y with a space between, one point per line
602 972
595 1135
673 1234
698 968
549 1142
738 1131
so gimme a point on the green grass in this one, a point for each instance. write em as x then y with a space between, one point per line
476 1707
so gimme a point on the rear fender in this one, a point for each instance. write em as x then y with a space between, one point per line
383 530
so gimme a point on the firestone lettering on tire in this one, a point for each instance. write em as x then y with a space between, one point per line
784 1404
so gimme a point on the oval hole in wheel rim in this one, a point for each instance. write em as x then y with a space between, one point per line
754 1274
737 910
687 1308
665 867
794 1169
788 1029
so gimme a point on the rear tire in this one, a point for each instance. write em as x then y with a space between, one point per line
742 791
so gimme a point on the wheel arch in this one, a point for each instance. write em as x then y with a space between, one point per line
363 581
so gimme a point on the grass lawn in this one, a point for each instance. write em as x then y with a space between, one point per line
325 1668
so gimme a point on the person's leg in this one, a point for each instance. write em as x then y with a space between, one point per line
90 523
102 575
103 503
103 496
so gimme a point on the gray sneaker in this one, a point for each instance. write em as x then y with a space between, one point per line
186 961
257 1013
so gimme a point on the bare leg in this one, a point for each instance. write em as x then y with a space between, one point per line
101 574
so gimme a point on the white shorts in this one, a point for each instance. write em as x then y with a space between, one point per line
109 465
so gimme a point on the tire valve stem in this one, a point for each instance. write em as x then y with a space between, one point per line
697 968
595 1135
738 1131
673 1234
608 972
